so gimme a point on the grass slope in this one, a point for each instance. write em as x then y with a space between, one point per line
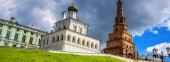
31 55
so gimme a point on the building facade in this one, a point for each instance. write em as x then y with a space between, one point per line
120 41
16 35
70 35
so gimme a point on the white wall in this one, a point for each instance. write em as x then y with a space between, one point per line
65 45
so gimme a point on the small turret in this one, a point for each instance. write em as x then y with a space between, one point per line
72 11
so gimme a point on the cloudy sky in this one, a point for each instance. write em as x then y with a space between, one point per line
148 20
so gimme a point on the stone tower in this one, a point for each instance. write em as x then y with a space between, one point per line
120 41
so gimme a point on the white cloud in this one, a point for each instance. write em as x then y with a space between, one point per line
7 8
154 31
154 12
43 13
161 47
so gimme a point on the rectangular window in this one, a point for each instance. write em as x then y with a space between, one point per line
44 42
31 39
81 30
75 28
1 25
7 34
23 38
9 27
17 29
31 33
16 37
0 31
25 31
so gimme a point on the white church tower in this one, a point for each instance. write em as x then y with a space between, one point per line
70 35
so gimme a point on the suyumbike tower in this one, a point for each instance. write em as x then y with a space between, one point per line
120 41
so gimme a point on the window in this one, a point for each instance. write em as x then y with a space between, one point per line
6 44
23 38
32 33
14 45
59 28
62 37
73 40
39 42
47 42
58 38
96 46
75 28
92 45
44 42
25 31
1 25
16 37
53 39
31 39
68 37
17 29
9 27
83 42
81 30
88 44
0 31
78 41
7 34
116 29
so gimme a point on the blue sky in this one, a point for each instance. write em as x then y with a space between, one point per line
147 20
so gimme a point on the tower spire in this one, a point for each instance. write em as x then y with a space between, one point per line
120 9
120 18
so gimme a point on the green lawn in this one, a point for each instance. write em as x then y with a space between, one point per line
9 54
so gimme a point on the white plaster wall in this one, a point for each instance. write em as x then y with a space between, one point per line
72 47
79 25
56 45
83 37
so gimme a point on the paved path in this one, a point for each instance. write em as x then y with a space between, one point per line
89 54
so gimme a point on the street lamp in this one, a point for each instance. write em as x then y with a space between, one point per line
168 51
155 53
161 56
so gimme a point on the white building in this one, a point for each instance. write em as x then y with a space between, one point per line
70 35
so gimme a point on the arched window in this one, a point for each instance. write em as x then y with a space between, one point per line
44 42
62 37
96 46
39 42
78 41
83 42
92 45
68 37
88 44
53 39
73 40
116 29
47 42
58 39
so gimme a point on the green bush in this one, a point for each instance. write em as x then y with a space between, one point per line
32 55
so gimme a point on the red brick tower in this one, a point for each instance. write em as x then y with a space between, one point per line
120 41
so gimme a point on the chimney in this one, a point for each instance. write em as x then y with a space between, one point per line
64 15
